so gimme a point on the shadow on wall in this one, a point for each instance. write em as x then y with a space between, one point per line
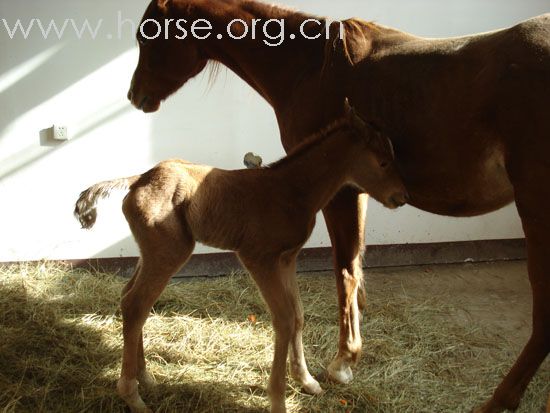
56 73
53 79
26 113
26 157
36 68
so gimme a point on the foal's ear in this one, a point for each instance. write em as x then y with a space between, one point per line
356 121
348 110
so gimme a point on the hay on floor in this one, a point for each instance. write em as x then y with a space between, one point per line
209 345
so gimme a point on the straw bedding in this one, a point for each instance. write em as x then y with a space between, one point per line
209 346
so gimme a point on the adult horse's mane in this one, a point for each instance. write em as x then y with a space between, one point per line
275 11
251 8
310 141
214 68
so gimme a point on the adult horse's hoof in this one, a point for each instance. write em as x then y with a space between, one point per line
340 372
489 407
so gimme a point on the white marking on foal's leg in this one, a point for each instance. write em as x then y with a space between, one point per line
307 381
128 391
298 366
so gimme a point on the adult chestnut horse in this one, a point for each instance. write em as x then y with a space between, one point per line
469 119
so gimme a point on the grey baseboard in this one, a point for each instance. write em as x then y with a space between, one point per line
320 259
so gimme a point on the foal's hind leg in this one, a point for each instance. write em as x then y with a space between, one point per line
163 253
532 203
144 377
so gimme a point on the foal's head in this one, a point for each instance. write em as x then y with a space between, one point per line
373 168
165 62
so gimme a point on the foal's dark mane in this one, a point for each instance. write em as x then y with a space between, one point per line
315 139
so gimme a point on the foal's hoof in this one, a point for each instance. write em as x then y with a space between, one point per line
340 374
128 391
312 387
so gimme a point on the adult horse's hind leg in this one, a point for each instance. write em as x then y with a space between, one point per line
164 249
345 218
530 179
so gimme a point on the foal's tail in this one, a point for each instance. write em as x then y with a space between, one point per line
85 208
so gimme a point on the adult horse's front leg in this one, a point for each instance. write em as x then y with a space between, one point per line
345 218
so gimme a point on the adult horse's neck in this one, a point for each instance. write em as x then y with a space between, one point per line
275 72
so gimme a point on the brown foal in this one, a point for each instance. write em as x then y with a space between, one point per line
265 215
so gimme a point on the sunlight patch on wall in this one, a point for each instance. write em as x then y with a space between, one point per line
15 75
77 107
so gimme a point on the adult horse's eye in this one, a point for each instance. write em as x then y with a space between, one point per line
141 40
384 164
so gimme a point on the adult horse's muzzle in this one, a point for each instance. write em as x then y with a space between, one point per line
398 199
143 102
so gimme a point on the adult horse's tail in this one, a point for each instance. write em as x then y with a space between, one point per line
85 208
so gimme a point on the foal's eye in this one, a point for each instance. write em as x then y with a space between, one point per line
384 164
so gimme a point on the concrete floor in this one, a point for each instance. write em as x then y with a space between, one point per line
496 296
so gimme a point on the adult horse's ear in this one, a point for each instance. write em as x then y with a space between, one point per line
348 42
163 5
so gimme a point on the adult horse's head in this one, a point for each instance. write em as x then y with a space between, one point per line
165 62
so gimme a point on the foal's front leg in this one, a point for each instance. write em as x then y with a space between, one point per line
298 366
278 288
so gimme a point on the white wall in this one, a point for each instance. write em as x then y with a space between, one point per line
83 83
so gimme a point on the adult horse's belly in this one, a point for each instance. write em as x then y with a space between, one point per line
456 181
